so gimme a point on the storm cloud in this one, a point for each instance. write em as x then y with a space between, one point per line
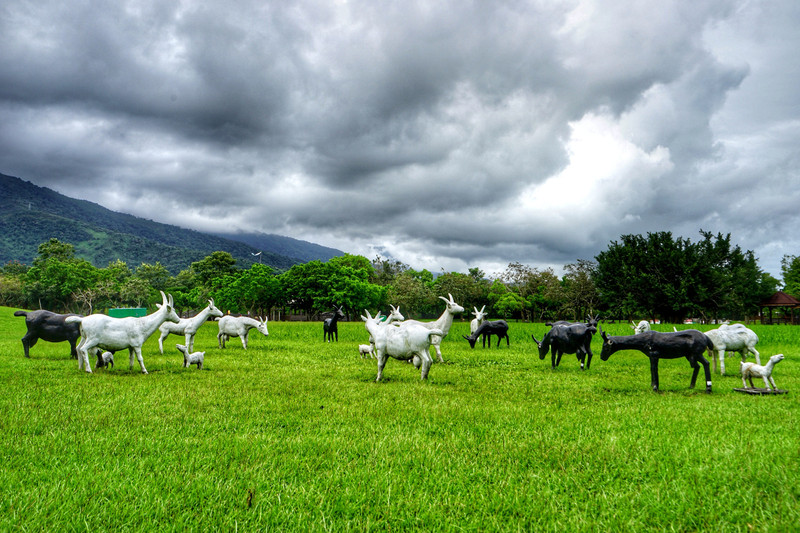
443 134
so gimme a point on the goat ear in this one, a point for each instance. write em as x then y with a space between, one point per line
158 305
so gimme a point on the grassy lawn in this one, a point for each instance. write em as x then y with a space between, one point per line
294 434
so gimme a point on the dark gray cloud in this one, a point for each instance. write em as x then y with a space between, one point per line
446 134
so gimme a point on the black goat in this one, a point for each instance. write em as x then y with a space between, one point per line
49 327
572 338
487 329
689 343
330 327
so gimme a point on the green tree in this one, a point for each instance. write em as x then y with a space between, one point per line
412 294
54 249
135 292
790 271
157 276
580 294
253 291
213 267
509 304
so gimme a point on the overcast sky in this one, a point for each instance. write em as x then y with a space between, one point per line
444 134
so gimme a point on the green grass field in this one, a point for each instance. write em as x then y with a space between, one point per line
294 434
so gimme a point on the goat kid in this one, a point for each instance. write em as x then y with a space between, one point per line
752 370
365 350
104 360
190 359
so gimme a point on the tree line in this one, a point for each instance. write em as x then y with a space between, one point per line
653 276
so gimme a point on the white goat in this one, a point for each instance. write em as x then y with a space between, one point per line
641 327
733 338
187 326
114 334
409 341
190 359
480 316
751 370
443 323
104 359
239 326
366 350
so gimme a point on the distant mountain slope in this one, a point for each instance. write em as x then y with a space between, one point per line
31 215
303 250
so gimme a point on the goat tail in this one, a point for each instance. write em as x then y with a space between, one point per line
20 313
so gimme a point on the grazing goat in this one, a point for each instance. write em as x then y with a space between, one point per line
476 322
239 326
187 326
190 359
641 327
115 334
486 330
443 323
751 370
50 327
574 338
733 338
689 343
104 360
591 322
409 341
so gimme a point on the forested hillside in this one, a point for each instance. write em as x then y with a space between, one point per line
30 215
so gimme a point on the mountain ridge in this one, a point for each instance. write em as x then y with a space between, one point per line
30 215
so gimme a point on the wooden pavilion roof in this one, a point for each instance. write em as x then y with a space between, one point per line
780 299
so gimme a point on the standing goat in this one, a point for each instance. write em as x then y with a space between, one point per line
190 359
442 324
733 338
641 327
330 326
115 334
689 343
407 341
50 327
751 370
572 338
239 326
476 322
187 326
